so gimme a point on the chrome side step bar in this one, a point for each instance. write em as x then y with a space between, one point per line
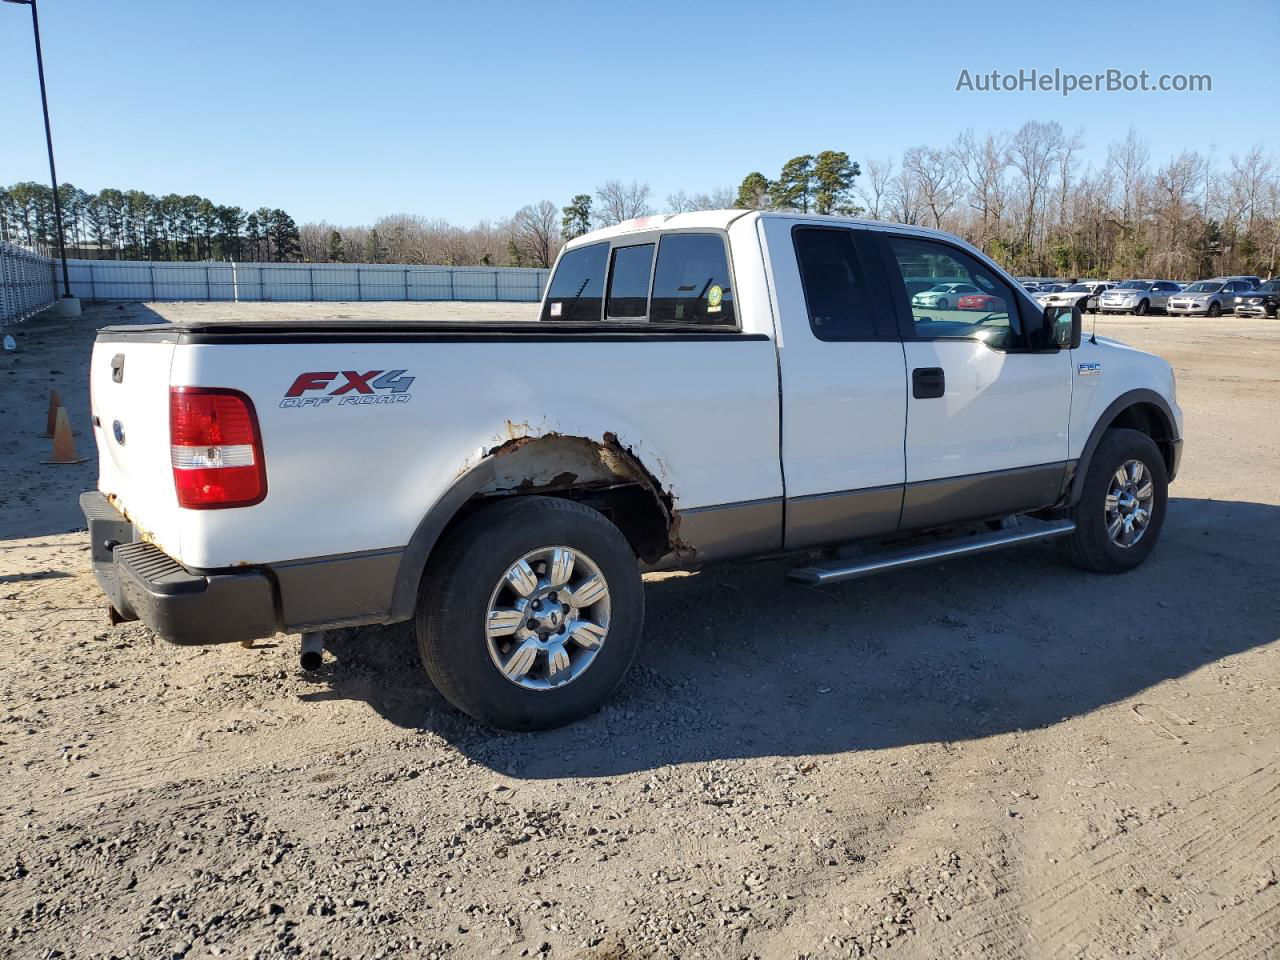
837 570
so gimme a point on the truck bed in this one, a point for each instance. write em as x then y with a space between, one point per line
344 328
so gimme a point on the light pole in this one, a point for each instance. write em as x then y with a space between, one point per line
70 305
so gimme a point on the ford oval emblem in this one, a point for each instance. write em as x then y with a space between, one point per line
117 430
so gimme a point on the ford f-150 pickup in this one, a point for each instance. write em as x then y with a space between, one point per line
697 388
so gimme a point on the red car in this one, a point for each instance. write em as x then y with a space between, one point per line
980 301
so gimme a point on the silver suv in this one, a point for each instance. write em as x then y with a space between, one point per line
1138 296
1210 298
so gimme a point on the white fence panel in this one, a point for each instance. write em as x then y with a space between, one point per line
144 280
28 283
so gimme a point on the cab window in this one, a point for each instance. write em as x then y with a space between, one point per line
835 287
691 282
577 289
629 282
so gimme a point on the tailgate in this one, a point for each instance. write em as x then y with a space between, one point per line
129 396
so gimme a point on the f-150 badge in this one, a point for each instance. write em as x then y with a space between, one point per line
1090 369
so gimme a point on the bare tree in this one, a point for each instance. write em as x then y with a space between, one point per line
535 232
936 177
903 198
721 198
1175 209
620 201
679 202
1129 159
874 188
1033 151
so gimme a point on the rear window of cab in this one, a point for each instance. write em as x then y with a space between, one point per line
686 281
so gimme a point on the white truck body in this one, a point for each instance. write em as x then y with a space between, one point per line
751 437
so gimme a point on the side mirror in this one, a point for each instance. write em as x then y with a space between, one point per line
1062 326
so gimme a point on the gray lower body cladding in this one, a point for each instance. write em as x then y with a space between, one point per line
226 606
218 606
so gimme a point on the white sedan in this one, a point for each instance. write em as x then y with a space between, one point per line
943 295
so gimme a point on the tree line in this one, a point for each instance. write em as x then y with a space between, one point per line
135 225
1026 197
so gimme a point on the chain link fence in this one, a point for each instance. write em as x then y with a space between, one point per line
145 280
28 283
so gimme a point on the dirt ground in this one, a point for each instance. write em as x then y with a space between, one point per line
1001 757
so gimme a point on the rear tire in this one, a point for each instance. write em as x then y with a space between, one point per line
1094 544
530 677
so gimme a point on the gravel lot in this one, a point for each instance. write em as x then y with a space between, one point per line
1002 757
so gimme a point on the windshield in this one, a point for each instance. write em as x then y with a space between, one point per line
1134 285
1271 286
1079 288
1203 286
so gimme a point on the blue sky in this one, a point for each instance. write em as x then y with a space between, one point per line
347 111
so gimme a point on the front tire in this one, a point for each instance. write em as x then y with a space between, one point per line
1215 310
530 613
1143 308
1121 509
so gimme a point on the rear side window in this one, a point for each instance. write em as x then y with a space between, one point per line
691 283
577 289
835 288
629 282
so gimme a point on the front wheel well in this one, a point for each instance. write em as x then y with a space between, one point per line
1149 419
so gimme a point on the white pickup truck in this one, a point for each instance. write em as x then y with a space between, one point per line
698 388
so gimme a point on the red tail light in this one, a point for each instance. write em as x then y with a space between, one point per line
216 448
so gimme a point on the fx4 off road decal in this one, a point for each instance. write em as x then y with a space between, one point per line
321 388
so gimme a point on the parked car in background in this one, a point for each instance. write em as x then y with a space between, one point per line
943 295
1210 298
1036 284
1083 294
1046 291
981 301
1138 296
1264 301
1254 281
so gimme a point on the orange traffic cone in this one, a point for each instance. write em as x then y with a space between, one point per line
51 422
64 447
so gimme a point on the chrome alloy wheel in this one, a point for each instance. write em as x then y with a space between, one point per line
548 617
1129 499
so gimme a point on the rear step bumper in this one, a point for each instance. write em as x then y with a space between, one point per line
838 570
144 583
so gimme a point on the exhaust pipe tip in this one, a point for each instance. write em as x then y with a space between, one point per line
312 657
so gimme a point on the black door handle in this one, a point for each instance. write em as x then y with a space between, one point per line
928 383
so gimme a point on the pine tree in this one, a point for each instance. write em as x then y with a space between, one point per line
793 189
753 194
577 217
284 237
336 253
833 174
373 248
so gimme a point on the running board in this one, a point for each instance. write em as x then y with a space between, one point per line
837 570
